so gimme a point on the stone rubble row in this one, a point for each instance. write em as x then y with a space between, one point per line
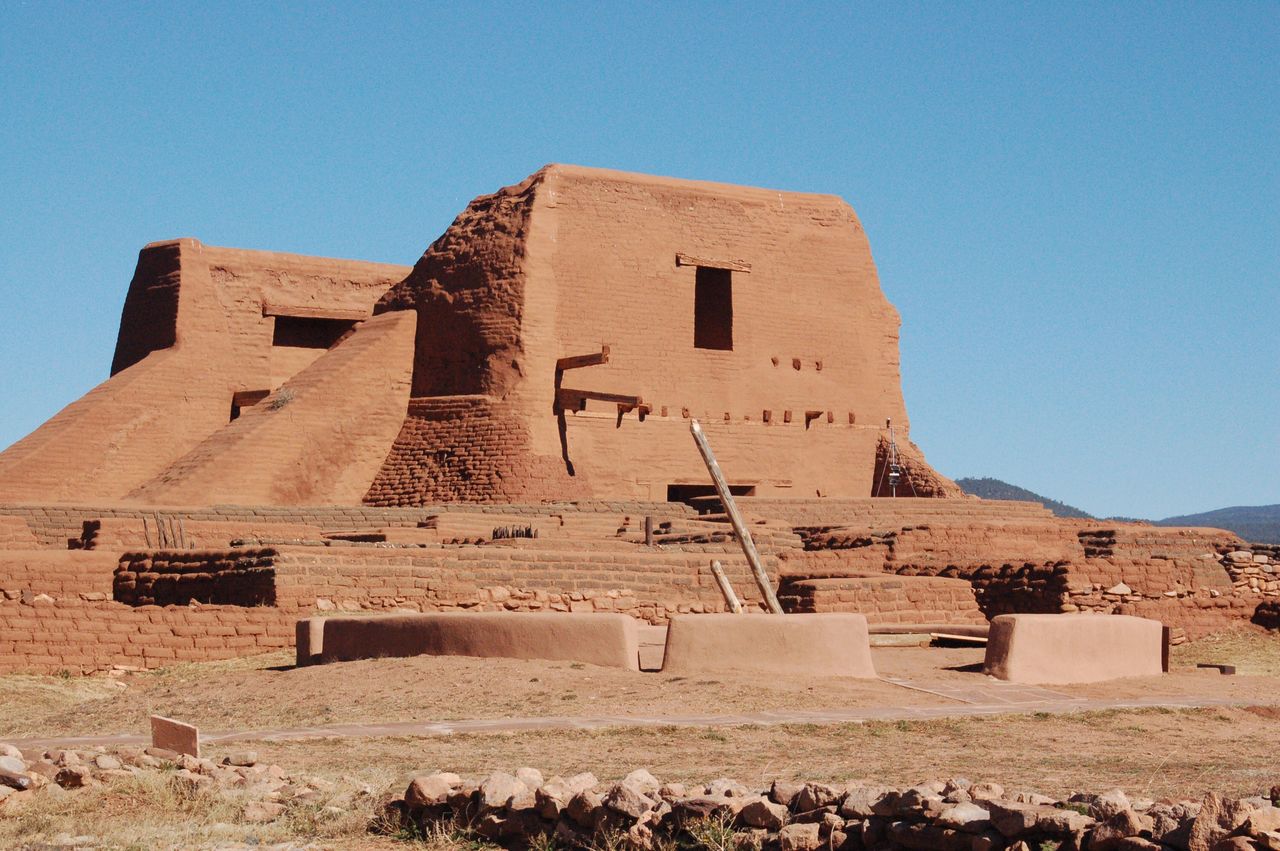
641 812
267 790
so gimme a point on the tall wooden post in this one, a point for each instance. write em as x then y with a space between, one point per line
735 518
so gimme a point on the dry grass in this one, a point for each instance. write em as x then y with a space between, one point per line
1149 753
1253 652
155 810
1159 752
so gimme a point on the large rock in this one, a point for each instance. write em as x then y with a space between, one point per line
1015 820
784 791
431 790
1108 804
1218 817
627 799
1107 834
762 812
498 789
643 782
552 797
859 801
815 795
929 837
970 818
583 808
800 837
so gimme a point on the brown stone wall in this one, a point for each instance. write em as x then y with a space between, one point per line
886 599
59 574
82 636
15 534
54 525
243 577
466 449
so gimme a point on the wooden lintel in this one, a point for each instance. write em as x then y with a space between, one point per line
579 361
731 265
576 400
314 311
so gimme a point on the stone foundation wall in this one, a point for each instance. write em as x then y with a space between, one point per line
236 578
642 813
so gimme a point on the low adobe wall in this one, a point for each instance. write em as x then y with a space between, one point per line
830 645
1062 649
48 636
608 640
885 598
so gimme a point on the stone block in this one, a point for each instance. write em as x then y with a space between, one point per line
175 736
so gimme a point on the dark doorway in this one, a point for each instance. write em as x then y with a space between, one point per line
684 493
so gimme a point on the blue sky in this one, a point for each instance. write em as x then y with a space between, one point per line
1075 206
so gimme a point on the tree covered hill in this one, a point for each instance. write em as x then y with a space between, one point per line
996 489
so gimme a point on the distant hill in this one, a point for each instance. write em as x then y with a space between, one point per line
1255 523
1259 524
996 489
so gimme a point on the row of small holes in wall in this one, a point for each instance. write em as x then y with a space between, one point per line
796 363
767 416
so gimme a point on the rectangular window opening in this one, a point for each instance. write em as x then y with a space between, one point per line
305 332
713 309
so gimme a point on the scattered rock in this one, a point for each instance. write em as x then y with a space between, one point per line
497 790
784 792
261 812
530 777
800 837
431 790
1108 804
107 762
626 798
967 817
815 795
242 758
763 812
640 780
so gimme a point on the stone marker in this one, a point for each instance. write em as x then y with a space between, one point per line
175 736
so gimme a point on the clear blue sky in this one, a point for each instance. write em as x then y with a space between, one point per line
1076 207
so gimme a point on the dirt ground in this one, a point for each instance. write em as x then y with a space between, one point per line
267 691
1148 753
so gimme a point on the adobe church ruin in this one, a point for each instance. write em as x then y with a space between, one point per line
552 344
504 426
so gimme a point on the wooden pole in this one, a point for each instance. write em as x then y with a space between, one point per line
735 518
730 598
648 530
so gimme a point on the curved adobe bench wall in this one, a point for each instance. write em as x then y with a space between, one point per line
819 645
1073 648
597 639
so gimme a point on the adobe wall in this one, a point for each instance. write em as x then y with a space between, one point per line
197 328
575 259
83 636
319 439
